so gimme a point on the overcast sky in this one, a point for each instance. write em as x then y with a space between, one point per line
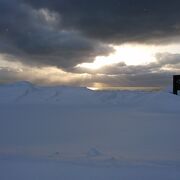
90 42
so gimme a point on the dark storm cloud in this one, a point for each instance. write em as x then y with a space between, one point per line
65 33
117 21
37 37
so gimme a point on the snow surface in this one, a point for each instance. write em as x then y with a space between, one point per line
69 133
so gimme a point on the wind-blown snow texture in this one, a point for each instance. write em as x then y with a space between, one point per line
67 133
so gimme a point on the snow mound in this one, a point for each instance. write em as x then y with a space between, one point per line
56 126
27 93
94 152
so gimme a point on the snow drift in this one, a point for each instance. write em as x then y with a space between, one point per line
98 129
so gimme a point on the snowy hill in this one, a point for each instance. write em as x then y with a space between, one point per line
48 129
27 93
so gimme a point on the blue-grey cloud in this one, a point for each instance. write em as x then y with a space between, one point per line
64 33
153 74
117 21
37 37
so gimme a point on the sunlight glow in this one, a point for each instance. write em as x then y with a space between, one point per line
129 54
135 54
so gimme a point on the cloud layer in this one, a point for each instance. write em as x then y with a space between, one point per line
153 74
37 37
63 33
118 20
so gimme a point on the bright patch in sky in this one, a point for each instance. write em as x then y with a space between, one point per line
134 55
130 54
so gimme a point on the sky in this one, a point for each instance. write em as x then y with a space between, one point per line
97 43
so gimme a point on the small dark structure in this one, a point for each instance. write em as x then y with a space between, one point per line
176 84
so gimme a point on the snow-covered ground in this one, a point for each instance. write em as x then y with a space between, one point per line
66 133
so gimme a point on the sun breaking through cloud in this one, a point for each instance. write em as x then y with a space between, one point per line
113 43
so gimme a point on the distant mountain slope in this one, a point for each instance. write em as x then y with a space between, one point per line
83 125
27 93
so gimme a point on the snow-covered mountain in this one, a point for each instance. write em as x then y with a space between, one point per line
134 133
27 93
